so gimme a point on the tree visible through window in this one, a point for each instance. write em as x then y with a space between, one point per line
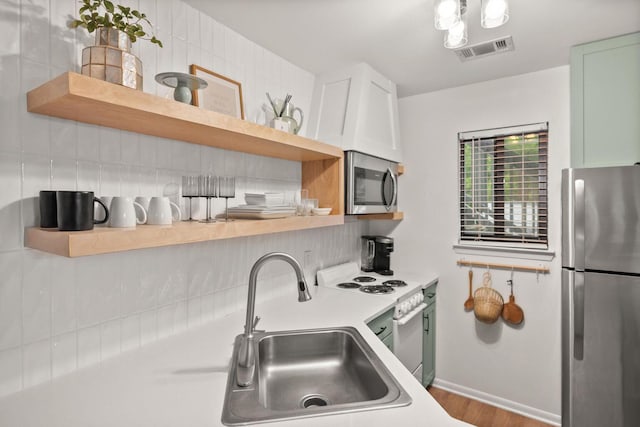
503 186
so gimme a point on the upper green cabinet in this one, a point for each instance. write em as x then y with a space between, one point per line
605 102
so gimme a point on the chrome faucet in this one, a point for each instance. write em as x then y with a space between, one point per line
246 358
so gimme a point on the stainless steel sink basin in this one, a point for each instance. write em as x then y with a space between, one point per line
308 373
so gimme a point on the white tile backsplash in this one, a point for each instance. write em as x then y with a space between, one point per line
110 339
148 326
10 28
88 147
88 176
64 174
88 346
36 363
110 147
34 30
130 148
179 21
63 295
10 300
10 96
10 218
110 176
64 138
62 37
194 311
58 315
10 371
34 131
64 351
130 334
36 296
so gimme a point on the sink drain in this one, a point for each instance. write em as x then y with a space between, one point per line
313 401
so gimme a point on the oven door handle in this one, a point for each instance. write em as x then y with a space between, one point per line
413 313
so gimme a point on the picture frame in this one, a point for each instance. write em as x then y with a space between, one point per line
222 95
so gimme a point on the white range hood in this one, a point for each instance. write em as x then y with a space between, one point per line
356 109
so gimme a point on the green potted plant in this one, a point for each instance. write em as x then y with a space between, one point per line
116 28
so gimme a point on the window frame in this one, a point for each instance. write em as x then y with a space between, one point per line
497 238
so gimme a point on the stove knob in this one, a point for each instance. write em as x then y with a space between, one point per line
406 307
421 297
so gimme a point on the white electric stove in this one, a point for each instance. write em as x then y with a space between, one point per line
405 293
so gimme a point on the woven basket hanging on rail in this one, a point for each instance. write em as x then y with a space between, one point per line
487 302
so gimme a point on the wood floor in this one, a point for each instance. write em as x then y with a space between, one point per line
480 414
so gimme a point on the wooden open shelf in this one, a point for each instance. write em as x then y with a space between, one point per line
85 99
76 97
393 216
104 240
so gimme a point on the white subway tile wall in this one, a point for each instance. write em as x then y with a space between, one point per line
58 315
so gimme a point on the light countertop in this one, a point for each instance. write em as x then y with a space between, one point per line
181 380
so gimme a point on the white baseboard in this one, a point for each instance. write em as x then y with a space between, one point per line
509 405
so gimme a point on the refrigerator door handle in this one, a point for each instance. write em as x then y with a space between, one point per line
578 316
579 224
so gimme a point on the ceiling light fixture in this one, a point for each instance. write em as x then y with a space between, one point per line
494 13
450 15
446 13
456 35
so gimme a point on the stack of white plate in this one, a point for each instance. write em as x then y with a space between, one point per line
264 199
261 212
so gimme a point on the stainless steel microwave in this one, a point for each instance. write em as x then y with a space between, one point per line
372 184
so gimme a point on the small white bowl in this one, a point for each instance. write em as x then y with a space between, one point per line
321 211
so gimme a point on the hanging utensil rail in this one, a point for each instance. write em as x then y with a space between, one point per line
539 269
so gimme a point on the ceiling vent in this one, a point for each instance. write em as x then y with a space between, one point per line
481 50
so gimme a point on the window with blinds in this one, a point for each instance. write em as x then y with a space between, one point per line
503 186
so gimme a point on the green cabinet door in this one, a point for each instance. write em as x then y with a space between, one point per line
382 326
388 341
605 102
429 337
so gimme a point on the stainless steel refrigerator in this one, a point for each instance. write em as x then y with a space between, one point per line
601 297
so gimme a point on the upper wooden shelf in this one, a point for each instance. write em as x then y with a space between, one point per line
102 240
85 99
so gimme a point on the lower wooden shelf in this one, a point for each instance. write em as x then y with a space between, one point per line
104 240
393 216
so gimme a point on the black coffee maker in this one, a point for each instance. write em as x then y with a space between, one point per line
376 254
382 257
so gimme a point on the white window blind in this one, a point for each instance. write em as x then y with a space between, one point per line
503 186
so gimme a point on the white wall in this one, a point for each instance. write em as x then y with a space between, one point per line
518 368
58 315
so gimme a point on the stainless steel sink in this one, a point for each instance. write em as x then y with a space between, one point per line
308 373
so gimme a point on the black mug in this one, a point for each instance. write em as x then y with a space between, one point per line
48 209
75 210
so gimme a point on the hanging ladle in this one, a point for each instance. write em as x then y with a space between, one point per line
468 304
511 312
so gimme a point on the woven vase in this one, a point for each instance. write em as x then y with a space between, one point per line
111 59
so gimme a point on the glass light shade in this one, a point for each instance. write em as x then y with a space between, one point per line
494 13
456 36
446 13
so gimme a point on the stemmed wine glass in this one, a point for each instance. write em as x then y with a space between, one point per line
208 189
190 189
226 189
